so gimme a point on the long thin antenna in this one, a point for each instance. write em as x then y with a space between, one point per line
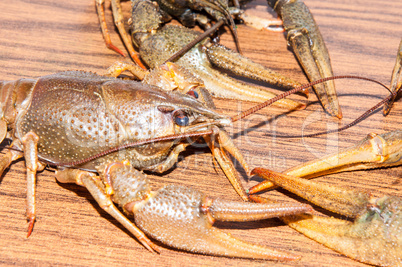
356 121
295 90
134 144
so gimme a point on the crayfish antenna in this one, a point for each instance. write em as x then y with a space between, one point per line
304 86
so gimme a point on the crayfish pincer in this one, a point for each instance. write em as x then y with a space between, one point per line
178 216
375 234
102 132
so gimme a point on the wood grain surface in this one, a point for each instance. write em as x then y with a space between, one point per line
47 36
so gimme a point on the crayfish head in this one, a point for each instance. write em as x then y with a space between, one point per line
199 118
190 114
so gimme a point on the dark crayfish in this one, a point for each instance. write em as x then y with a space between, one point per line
157 44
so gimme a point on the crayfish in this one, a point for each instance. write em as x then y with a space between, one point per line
103 130
159 44
74 249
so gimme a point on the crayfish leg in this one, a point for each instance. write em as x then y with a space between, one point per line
227 145
105 32
11 155
119 67
118 20
227 167
98 190
29 142
8 157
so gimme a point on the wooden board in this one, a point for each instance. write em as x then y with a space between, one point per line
47 36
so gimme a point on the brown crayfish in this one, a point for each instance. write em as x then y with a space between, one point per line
103 132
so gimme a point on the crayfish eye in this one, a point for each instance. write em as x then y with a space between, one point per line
193 94
181 118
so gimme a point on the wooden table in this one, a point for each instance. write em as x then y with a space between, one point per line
43 37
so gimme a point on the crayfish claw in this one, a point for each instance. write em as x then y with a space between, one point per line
182 218
396 80
225 58
316 64
170 38
362 241
373 237
309 47
374 151
339 200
